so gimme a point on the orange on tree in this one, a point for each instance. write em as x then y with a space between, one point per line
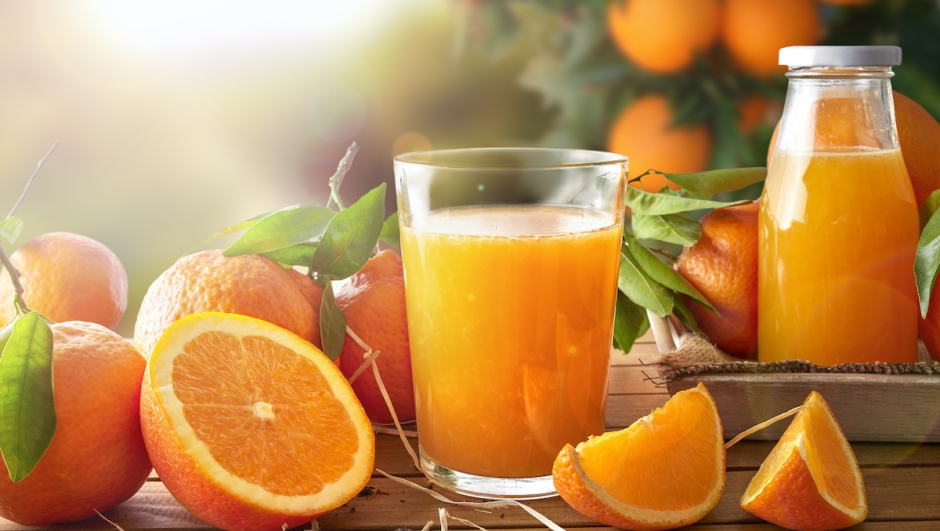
751 112
67 277
97 457
666 470
642 133
373 301
251 427
753 31
722 265
252 285
811 479
663 36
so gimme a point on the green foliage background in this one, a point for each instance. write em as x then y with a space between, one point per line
569 60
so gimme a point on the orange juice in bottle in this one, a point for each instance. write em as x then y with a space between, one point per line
511 260
838 225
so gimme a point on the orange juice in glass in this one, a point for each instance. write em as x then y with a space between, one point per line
511 259
838 225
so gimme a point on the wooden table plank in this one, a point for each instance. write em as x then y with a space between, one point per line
632 380
870 407
901 493
746 455
623 410
908 492
641 353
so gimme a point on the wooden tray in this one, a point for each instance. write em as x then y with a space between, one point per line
869 407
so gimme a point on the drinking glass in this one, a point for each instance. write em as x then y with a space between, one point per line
511 258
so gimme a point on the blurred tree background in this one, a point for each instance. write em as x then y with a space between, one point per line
179 118
687 85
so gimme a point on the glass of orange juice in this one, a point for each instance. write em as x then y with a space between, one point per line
511 259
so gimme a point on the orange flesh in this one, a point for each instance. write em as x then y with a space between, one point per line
828 458
226 385
661 448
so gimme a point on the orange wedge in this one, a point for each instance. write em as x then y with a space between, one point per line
251 427
665 471
811 479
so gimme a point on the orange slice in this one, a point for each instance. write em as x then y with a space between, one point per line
666 470
251 427
811 478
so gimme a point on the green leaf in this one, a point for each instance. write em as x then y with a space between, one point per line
661 272
931 204
717 181
27 405
282 229
351 236
629 322
332 324
390 232
927 261
682 311
295 255
672 228
641 289
248 223
10 228
661 204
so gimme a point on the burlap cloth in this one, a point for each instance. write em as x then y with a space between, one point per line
696 355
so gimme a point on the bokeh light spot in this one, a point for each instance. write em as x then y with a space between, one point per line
409 142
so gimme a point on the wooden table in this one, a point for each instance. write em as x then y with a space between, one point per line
902 480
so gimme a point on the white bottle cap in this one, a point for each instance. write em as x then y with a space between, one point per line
806 56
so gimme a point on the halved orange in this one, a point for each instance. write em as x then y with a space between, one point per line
251 427
811 478
665 471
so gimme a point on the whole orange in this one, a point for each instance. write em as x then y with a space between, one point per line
751 112
663 36
97 458
919 135
67 277
723 266
753 31
252 285
642 133
373 301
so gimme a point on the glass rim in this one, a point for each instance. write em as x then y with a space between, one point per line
461 158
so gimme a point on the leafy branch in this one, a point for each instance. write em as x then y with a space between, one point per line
647 280
332 244
27 405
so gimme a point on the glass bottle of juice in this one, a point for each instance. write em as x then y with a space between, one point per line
838 224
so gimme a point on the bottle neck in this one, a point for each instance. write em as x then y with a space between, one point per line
838 109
